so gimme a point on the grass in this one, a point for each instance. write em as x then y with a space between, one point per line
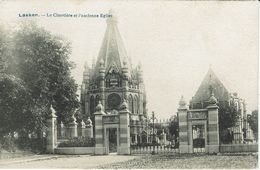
241 161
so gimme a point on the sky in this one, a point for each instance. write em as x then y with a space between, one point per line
175 41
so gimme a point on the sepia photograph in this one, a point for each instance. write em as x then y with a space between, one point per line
148 84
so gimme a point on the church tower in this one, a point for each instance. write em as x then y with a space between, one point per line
112 78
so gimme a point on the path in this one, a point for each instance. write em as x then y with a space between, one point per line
66 161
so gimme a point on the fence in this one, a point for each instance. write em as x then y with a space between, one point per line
150 149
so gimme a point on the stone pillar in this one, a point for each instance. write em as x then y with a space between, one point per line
89 128
125 79
51 132
73 127
184 146
124 129
100 148
102 82
213 127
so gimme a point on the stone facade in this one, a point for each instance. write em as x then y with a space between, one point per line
111 80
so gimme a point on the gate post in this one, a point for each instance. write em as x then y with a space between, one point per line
100 149
124 130
183 127
213 132
51 132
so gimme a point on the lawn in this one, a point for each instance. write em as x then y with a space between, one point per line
241 161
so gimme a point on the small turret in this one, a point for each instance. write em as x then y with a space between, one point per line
140 73
125 70
86 74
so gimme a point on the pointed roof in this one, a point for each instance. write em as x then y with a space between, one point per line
211 84
112 50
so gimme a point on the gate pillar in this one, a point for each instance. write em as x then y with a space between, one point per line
100 148
124 130
51 132
184 146
213 128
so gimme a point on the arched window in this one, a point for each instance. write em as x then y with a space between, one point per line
130 103
135 104
97 100
113 101
92 105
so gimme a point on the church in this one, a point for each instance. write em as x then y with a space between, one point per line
113 79
211 84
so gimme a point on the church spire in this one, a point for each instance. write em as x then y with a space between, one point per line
112 50
113 19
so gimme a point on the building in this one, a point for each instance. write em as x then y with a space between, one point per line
212 84
112 79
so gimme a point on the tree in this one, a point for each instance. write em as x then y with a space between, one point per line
14 106
253 122
43 64
228 117
174 126
41 76
174 129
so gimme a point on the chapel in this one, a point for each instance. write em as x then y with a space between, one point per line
112 79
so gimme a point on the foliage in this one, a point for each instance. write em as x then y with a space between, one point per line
228 117
174 126
78 142
50 81
11 144
253 122
36 74
174 129
7 143
33 144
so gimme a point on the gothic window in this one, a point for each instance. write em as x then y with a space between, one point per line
92 105
113 79
131 103
97 100
136 105
113 101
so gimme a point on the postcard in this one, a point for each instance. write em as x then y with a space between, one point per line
129 84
